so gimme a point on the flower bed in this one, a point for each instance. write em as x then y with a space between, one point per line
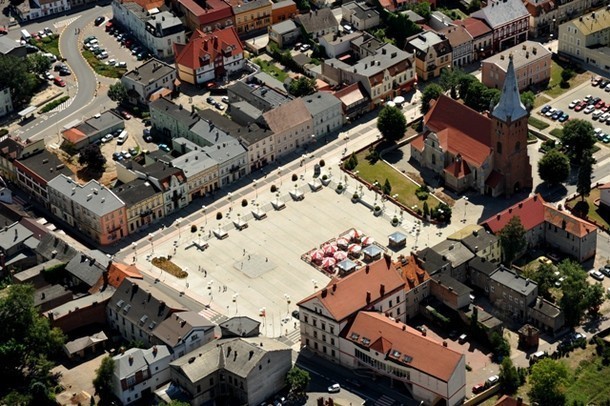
169 267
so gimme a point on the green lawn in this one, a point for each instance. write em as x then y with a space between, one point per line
537 123
594 213
557 132
50 45
271 69
453 13
554 89
101 68
590 383
401 185
541 100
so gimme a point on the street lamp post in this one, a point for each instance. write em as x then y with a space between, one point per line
255 189
279 171
152 246
304 157
230 196
235 296
134 245
205 217
179 229
465 205
287 297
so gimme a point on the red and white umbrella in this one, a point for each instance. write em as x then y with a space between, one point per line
355 234
328 262
340 255
342 242
366 241
317 255
354 248
330 249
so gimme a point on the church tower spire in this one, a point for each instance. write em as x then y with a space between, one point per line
510 108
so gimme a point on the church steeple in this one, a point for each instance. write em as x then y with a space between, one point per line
509 108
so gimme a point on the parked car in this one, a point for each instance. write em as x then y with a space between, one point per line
133 151
59 82
107 138
478 388
125 115
99 20
595 81
111 62
597 114
49 76
116 156
557 114
334 388
89 39
103 55
550 112
492 380
122 137
607 88
65 72
573 103
164 147
589 109
564 117
596 275
545 109
121 64
219 106
209 100
305 47
580 106
225 99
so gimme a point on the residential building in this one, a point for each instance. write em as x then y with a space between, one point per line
461 44
209 56
12 148
355 100
183 332
339 44
85 269
417 284
532 62
200 170
259 142
546 316
206 15
284 34
449 291
138 371
326 112
149 81
472 150
317 23
35 171
547 15
482 37
262 97
283 10
509 21
546 224
137 308
81 134
10 47
480 242
155 30
360 15
92 208
480 270
240 326
143 202
458 256
170 119
512 293
432 52
431 372
44 8
586 39
16 240
6 102
385 73
251 16
292 127
248 370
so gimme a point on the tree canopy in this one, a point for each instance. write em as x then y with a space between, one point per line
578 295
578 138
117 92
91 156
38 63
392 123
554 167
398 27
585 170
302 86
512 239
548 380
297 379
528 98
103 381
15 75
431 92
509 376
26 343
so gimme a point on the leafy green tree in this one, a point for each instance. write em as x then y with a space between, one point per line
474 97
583 184
103 381
464 82
117 92
500 345
423 9
399 27
509 376
512 239
593 298
38 63
431 92
177 403
528 98
578 295
578 138
15 75
351 163
391 123
387 187
450 79
554 167
545 278
548 380
426 209
490 98
91 156
302 86
297 379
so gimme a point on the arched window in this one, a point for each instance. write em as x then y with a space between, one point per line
518 146
499 147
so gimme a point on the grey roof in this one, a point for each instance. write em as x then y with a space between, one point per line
385 57
93 196
509 108
143 304
240 356
479 240
347 265
28 274
209 134
7 45
545 307
301 59
50 293
176 111
157 172
239 326
82 343
262 97
51 246
193 162
46 165
13 235
176 328
248 110
425 40
220 121
88 267
454 251
431 260
317 20
137 359
513 281
483 266
107 119
269 81
444 279
282 3
240 6
412 15
320 102
165 20
361 10
500 12
150 71
94 299
226 151
253 133
284 27
135 191
523 54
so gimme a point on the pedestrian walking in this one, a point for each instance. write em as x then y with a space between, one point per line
205 273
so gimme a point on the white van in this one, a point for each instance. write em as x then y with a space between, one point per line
122 137
25 35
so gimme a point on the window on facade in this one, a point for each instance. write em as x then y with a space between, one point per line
499 147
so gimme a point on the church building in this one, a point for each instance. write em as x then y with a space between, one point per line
471 150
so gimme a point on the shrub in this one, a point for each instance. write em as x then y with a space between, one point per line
273 188
294 177
355 196
169 267
244 203
193 228
395 221
321 163
218 216
377 208
324 177
373 156
51 105
422 192
340 187
3 132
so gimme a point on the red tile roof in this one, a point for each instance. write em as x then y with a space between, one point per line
530 211
215 10
147 4
475 27
397 341
203 45
539 8
460 129
509 401
566 221
411 272
117 272
605 186
73 135
418 142
344 297
494 179
458 169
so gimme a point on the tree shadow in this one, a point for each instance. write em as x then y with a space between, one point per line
89 173
551 193
581 209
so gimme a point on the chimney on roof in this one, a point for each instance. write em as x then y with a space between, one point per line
535 198
367 269
368 297
498 217
404 327
251 354
130 360
228 351
381 289
444 343
154 351
324 292
334 287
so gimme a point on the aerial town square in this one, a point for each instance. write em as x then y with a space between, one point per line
305 202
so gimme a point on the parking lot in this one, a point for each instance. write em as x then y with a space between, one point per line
580 93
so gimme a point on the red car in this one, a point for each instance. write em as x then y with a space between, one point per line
580 106
478 388
599 104
125 115
59 82
3 31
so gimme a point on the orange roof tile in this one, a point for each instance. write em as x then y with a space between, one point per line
212 10
458 169
115 275
474 26
530 211
568 222
202 49
605 186
494 179
147 4
344 297
73 135
404 345
418 142
509 401
411 273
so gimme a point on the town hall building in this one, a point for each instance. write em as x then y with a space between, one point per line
470 150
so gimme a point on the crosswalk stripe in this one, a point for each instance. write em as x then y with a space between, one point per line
63 106
66 22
